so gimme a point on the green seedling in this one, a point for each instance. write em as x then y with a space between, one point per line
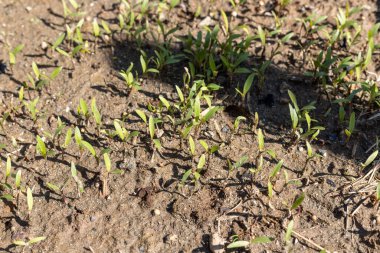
54 188
68 13
164 57
18 186
96 114
29 198
243 244
8 168
370 159
82 144
174 3
289 232
272 176
32 108
237 123
68 137
74 174
351 127
41 147
310 154
144 65
130 80
195 171
283 4
41 79
298 116
107 163
13 53
82 109
152 130
30 242
233 166
246 87
297 202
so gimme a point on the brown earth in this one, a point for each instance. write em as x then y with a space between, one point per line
146 210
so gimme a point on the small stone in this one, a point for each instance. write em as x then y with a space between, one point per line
28 8
225 129
216 243
156 212
207 21
210 134
170 238
173 237
314 218
129 163
92 218
322 152
234 14
106 38
300 149
44 45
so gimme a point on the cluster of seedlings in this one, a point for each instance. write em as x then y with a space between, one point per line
339 69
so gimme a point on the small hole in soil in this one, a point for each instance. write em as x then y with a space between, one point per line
338 214
194 216
170 207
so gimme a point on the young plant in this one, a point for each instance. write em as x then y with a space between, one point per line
29 200
41 147
96 114
246 87
351 127
74 174
30 242
32 108
41 79
13 53
298 116
83 109
243 244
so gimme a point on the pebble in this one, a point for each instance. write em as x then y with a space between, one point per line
322 152
234 14
129 163
225 129
216 243
28 8
156 212
207 21
44 45
300 149
170 238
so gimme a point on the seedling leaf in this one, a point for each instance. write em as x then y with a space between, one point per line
262 239
298 201
238 244
370 159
